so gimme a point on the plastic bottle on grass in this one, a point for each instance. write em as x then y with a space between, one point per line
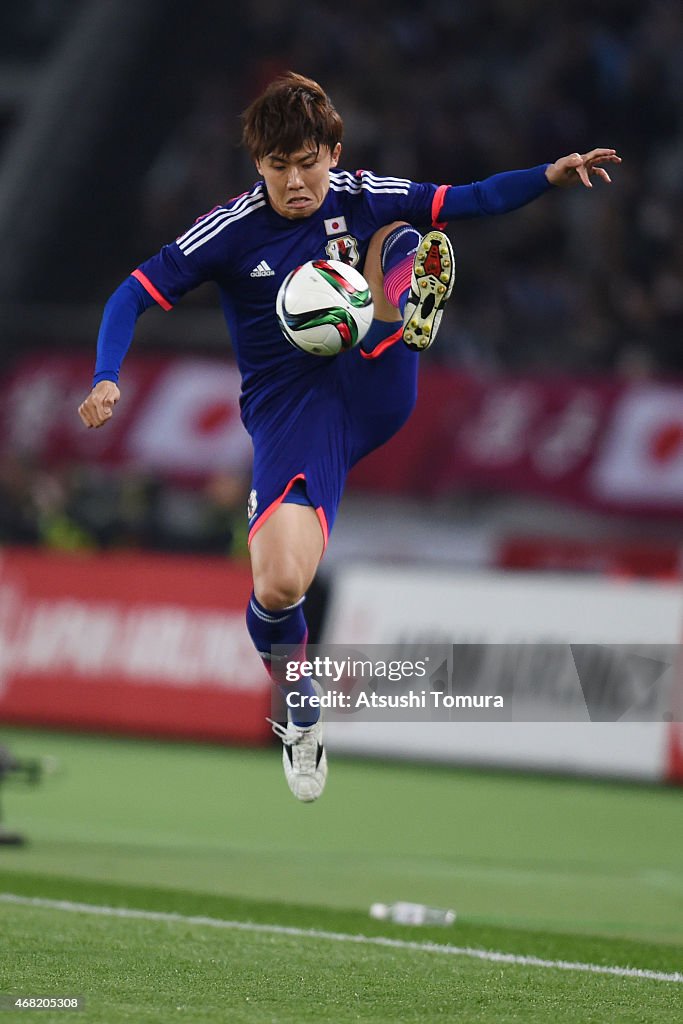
411 913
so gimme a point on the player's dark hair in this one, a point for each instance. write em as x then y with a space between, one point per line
291 114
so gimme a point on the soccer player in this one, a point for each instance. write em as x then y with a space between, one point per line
312 418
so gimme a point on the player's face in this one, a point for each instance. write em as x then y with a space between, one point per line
298 183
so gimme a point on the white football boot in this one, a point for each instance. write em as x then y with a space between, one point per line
430 287
303 756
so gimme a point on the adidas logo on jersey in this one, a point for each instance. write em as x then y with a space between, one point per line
262 270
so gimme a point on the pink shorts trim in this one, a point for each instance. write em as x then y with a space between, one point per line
274 505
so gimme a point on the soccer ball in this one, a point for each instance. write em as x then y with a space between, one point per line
324 307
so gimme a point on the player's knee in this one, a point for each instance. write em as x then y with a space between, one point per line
373 261
278 589
383 233
401 238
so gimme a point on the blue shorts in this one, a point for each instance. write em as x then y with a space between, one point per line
304 451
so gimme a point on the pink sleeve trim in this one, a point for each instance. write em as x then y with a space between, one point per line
437 205
151 290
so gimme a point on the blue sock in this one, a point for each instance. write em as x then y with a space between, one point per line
286 626
397 255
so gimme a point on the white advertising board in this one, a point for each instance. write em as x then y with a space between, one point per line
404 606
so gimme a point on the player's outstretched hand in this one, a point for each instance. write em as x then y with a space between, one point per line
578 167
99 405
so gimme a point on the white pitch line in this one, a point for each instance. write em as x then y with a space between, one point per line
314 933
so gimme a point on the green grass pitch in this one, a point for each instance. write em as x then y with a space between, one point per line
562 870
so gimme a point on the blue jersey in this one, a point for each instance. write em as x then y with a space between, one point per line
310 418
247 249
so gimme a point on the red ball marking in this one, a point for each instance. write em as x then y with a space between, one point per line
345 335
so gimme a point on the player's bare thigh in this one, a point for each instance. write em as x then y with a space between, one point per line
372 271
285 553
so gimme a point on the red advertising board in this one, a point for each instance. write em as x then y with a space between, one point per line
604 443
675 737
130 643
618 558
675 753
175 416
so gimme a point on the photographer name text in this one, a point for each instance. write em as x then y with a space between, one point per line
376 701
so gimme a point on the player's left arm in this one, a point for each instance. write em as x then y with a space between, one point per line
578 168
510 190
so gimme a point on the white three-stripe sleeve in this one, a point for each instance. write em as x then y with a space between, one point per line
216 223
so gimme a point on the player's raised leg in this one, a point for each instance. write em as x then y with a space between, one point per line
411 279
285 552
431 285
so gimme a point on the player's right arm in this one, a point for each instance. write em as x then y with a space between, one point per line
98 407
161 280
120 316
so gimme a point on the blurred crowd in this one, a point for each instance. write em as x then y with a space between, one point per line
450 93
455 92
80 508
